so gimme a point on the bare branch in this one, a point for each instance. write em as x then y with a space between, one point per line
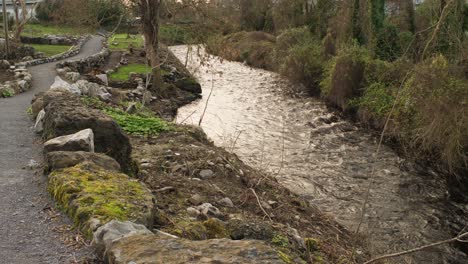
406 252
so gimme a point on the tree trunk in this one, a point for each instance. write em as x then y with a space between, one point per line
150 22
5 26
411 16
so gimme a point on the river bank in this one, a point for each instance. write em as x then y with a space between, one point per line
324 158
181 184
365 89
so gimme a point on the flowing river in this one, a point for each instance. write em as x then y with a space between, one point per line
324 158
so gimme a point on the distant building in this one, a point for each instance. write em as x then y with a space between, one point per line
9 5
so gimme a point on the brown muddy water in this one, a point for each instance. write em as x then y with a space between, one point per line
324 158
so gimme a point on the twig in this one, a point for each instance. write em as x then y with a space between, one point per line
235 141
207 100
259 204
406 252
443 15
164 233
185 119
382 135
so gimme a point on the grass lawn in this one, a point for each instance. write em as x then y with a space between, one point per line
123 72
121 42
50 50
38 30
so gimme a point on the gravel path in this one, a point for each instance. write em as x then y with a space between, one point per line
26 231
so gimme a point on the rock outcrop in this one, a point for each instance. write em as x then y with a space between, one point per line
151 249
66 114
80 141
57 160
123 243
91 195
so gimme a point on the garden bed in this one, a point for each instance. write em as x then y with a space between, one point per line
50 50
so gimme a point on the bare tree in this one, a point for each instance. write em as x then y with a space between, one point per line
5 27
150 20
20 21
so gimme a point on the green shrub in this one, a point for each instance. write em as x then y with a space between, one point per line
7 93
344 75
289 38
436 101
406 42
45 9
377 99
388 46
174 35
304 63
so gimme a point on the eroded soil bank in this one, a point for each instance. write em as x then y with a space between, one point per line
324 158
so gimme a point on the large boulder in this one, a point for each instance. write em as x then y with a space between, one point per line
61 85
38 126
57 160
107 234
37 104
189 85
152 249
66 114
4 64
92 196
80 141
93 90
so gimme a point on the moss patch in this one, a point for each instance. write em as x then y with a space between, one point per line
209 229
87 191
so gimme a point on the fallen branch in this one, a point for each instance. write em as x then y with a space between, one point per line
260 204
406 252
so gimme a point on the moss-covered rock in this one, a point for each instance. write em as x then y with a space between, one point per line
88 192
209 229
152 249
67 114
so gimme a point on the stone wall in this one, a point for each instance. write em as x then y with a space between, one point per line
72 52
88 64
50 40
21 82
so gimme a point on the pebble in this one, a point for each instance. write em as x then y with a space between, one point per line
226 202
166 189
196 199
193 212
273 203
209 210
205 174
265 205
145 165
